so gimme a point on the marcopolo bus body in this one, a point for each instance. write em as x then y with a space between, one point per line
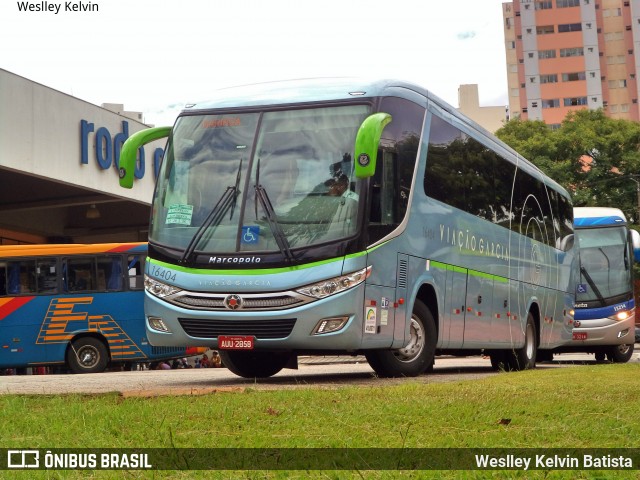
75 305
605 306
337 216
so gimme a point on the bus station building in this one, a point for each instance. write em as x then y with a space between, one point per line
58 168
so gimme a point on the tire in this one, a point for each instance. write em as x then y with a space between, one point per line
87 355
254 364
524 358
620 353
544 356
414 358
498 360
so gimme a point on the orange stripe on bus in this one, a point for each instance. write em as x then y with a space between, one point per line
48 338
74 300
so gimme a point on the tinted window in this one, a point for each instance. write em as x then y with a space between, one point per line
445 164
466 174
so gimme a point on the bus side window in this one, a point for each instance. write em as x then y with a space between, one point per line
47 276
110 273
3 279
81 274
21 277
136 272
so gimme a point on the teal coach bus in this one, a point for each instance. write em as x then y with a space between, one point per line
339 216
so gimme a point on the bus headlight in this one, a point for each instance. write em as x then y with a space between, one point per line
158 289
335 285
621 315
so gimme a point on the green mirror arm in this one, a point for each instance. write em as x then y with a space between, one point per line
129 151
367 143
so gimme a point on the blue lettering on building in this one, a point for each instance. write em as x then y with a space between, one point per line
108 147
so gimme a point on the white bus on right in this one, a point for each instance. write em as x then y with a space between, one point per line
604 314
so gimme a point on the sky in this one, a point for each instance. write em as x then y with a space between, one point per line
155 56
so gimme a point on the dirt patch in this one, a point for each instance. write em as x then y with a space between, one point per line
150 393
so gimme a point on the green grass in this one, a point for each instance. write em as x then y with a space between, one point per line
588 406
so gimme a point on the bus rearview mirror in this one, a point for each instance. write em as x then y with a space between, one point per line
367 143
129 151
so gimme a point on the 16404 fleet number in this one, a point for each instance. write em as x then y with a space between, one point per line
162 273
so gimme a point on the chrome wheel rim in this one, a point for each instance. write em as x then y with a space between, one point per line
88 356
623 349
531 345
414 348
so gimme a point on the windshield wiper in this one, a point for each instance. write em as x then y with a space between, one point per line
276 229
263 197
228 199
592 284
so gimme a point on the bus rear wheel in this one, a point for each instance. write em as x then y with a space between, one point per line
524 358
414 358
620 353
498 359
254 364
87 355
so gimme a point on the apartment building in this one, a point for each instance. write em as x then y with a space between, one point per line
564 55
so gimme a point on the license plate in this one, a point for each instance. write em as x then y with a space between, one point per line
235 342
579 335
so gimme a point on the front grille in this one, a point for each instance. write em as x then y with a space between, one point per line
261 329
250 301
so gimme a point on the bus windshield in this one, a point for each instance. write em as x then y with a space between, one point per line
605 266
259 181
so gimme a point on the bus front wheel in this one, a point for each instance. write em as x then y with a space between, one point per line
414 358
87 355
254 364
620 353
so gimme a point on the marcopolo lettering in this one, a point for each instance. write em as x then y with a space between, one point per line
107 148
234 259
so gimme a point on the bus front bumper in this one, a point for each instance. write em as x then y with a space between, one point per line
187 327
603 331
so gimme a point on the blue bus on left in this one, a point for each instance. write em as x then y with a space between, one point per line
79 306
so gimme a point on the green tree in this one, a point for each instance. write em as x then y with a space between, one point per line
593 156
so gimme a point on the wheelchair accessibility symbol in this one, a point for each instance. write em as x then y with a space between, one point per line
582 288
250 234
